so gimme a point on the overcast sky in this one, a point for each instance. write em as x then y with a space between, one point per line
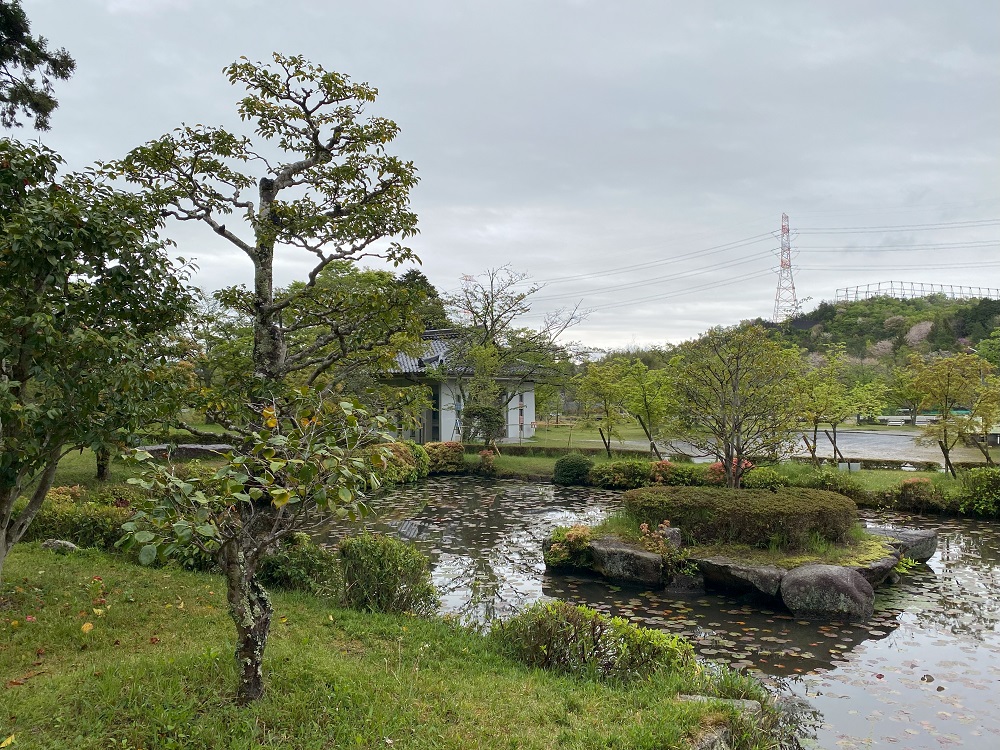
635 155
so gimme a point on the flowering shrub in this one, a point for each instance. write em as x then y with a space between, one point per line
568 547
656 540
716 473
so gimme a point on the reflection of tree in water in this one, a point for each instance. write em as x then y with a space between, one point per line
959 591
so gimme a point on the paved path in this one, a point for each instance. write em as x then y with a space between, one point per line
899 446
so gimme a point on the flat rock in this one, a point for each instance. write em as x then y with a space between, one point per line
827 592
917 544
730 575
618 561
878 571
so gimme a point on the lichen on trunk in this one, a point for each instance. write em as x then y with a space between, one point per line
250 608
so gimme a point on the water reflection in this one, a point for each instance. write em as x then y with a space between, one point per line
922 674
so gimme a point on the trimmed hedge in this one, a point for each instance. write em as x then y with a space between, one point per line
787 517
445 458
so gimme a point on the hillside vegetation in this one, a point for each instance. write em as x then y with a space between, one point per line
883 326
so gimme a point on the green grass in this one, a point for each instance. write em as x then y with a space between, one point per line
563 436
532 467
155 671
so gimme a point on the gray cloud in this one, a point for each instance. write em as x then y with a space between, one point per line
579 138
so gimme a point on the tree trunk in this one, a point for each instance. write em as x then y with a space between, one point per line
605 440
946 452
103 464
812 447
250 607
652 443
984 449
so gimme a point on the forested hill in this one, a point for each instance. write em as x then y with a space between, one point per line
883 326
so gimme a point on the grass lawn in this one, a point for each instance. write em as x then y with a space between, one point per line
567 436
97 653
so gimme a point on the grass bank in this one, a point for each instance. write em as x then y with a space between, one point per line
97 653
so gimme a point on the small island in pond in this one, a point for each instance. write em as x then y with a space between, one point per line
802 548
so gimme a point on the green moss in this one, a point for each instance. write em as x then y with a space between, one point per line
856 553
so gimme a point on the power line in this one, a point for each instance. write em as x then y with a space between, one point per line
970 224
668 277
746 241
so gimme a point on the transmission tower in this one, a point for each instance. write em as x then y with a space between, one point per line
785 303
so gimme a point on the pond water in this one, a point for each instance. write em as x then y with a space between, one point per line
923 673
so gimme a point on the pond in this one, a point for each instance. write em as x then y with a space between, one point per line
923 673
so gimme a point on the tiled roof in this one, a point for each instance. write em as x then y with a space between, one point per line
434 355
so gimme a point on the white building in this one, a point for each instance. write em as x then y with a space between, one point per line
443 420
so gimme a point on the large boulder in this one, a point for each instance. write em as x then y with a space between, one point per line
729 575
619 561
877 572
917 544
827 592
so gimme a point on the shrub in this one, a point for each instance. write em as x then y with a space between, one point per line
578 640
833 480
395 463
787 517
420 459
676 474
445 458
764 478
572 469
620 475
487 463
917 493
981 492
568 547
384 574
299 564
715 474
85 524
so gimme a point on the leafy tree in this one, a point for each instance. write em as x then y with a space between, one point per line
736 396
950 387
649 397
984 417
903 389
22 57
828 398
317 178
602 386
431 311
333 192
492 345
311 459
84 284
